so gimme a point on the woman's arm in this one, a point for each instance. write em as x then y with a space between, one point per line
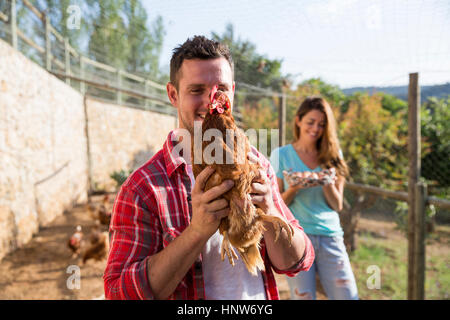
334 194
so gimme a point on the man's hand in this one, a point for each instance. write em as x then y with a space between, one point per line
261 192
170 265
207 207
286 251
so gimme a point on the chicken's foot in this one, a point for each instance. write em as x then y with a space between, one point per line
279 224
228 249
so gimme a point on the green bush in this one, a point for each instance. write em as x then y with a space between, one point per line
401 216
120 176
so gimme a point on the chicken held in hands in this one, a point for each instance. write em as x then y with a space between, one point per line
244 226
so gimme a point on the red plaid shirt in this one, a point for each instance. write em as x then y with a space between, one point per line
151 209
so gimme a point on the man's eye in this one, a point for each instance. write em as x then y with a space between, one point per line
196 91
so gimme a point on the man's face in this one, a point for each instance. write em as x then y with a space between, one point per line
196 79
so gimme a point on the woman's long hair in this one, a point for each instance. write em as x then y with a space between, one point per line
328 143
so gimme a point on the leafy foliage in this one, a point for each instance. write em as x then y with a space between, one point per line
250 66
120 176
373 143
435 129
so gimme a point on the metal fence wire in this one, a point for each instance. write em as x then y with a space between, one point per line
374 141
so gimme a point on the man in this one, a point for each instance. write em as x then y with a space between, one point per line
164 228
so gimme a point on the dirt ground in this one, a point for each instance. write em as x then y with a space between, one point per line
42 268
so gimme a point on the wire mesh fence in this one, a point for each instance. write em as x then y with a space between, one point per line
372 129
373 134
45 46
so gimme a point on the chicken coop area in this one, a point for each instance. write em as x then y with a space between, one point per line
56 145
46 268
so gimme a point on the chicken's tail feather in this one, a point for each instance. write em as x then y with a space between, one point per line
252 259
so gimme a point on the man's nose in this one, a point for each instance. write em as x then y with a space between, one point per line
206 99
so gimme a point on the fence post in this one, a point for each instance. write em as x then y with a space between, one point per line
119 86
13 24
82 84
146 90
414 175
48 47
67 58
282 119
419 259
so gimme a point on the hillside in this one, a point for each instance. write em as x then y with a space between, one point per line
401 92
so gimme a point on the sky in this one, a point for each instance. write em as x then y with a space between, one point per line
347 43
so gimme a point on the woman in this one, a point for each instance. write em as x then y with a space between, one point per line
316 148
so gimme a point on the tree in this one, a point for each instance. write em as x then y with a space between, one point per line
256 76
144 43
122 37
60 14
373 142
331 93
435 128
392 103
108 43
251 67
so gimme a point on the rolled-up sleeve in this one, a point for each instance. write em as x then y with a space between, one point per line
135 234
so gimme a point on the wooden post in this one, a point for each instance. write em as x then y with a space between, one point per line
48 45
146 91
67 56
119 85
282 119
419 232
13 24
82 75
414 174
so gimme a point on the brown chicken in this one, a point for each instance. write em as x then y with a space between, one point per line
101 213
104 216
75 241
243 227
98 247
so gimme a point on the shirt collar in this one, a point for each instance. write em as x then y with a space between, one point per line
172 159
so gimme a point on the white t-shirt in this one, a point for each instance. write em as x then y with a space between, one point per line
222 280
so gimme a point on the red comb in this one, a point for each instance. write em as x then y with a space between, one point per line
213 93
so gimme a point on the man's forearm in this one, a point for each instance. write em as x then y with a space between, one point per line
282 253
167 268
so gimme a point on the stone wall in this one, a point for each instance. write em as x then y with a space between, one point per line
43 159
122 138
44 163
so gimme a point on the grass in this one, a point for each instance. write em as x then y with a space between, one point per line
389 254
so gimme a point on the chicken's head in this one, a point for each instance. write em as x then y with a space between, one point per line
220 103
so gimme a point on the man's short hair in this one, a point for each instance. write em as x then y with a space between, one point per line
199 47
